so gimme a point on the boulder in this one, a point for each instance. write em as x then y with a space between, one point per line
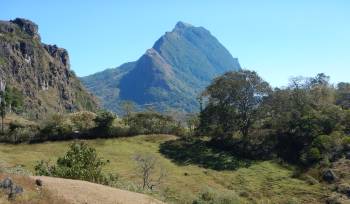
14 191
329 176
38 182
6 183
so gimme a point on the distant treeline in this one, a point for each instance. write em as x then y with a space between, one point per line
305 123
89 125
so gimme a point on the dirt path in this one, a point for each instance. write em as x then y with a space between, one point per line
82 192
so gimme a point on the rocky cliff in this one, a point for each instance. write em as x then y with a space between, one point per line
41 72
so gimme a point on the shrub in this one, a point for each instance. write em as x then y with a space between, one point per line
80 162
154 123
82 121
312 156
212 196
57 127
22 132
104 119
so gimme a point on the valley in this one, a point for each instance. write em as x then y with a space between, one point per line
176 118
261 182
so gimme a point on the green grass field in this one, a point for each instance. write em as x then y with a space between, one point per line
261 182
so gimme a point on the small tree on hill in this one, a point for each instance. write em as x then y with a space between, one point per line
128 109
146 167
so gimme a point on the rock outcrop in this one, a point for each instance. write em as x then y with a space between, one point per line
41 72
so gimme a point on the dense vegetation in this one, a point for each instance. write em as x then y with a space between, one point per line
304 123
89 125
305 126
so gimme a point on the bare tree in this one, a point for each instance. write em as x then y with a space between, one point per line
128 109
148 168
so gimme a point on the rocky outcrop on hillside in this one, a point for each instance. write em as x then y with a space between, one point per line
41 72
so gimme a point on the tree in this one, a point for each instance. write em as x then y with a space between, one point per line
128 109
233 103
299 114
343 95
192 121
146 167
14 99
83 120
104 119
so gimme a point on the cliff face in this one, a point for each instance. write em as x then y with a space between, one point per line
170 75
42 72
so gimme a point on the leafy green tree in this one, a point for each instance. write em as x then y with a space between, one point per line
299 114
83 120
343 95
104 119
14 99
233 103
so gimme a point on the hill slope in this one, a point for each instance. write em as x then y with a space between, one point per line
82 192
261 182
169 75
41 72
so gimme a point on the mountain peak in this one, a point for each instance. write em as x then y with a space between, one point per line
182 25
171 74
27 26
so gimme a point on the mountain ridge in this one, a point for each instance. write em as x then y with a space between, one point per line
170 75
41 72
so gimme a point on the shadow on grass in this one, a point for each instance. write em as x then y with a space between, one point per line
200 153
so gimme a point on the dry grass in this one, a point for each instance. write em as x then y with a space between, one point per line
31 195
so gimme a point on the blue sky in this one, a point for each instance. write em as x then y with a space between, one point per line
278 39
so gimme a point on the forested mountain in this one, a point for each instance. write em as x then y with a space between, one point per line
170 75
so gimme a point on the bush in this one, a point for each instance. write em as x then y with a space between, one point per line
57 127
104 119
154 123
80 162
311 156
82 121
22 132
212 196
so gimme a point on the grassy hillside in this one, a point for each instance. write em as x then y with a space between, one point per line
261 182
32 196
